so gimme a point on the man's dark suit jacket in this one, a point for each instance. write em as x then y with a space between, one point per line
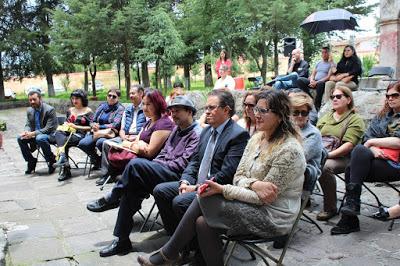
227 154
48 119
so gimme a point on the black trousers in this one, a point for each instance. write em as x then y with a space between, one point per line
303 83
364 167
60 138
137 182
171 204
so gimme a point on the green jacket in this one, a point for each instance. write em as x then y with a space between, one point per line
355 126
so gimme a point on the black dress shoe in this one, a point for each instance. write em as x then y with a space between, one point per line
280 241
31 167
103 179
121 247
101 205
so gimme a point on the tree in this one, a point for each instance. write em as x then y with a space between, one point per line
162 43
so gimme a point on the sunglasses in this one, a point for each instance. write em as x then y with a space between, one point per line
262 111
300 113
112 96
393 95
337 96
250 105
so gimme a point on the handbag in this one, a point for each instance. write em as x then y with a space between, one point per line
330 142
66 128
118 159
391 154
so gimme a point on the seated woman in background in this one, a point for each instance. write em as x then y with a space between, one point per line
75 127
225 82
151 138
105 125
346 73
341 131
374 161
248 121
268 185
302 104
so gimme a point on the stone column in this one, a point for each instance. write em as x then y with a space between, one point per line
389 41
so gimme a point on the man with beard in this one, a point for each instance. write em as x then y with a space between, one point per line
41 121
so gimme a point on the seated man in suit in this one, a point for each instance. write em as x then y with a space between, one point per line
142 175
221 147
41 121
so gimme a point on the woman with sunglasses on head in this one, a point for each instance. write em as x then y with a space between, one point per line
264 198
377 159
346 72
341 130
77 122
105 125
248 121
302 104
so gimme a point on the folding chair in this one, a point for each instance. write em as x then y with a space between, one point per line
250 243
147 218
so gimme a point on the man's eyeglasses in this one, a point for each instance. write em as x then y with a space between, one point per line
250 105
393 95
211 107
337 96
112 96
300 113
262 111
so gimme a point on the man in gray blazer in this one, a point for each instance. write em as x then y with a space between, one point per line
41 121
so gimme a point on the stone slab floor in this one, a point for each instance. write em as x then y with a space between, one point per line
46 222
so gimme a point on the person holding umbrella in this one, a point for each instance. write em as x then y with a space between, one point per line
346 73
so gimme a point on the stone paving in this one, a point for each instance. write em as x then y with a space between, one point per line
46 222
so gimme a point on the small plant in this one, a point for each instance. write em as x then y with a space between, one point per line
65 82
368 62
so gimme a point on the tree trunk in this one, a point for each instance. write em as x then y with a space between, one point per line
119 74
138 73
2 94
186 74
208 80
276 59
165 79
50 84
264 63
86 79
127 71
145 75
157 72
93 70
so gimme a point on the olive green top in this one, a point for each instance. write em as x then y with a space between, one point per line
355 126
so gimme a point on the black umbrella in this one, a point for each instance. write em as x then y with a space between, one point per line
329 20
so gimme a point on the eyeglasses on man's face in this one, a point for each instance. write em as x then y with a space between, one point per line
211 107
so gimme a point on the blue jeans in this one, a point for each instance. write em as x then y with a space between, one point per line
286 82
88 145
41 140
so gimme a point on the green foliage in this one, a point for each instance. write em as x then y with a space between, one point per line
368 62
65 82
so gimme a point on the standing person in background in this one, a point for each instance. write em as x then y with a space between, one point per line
318 77
223 60
41 121
346 73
